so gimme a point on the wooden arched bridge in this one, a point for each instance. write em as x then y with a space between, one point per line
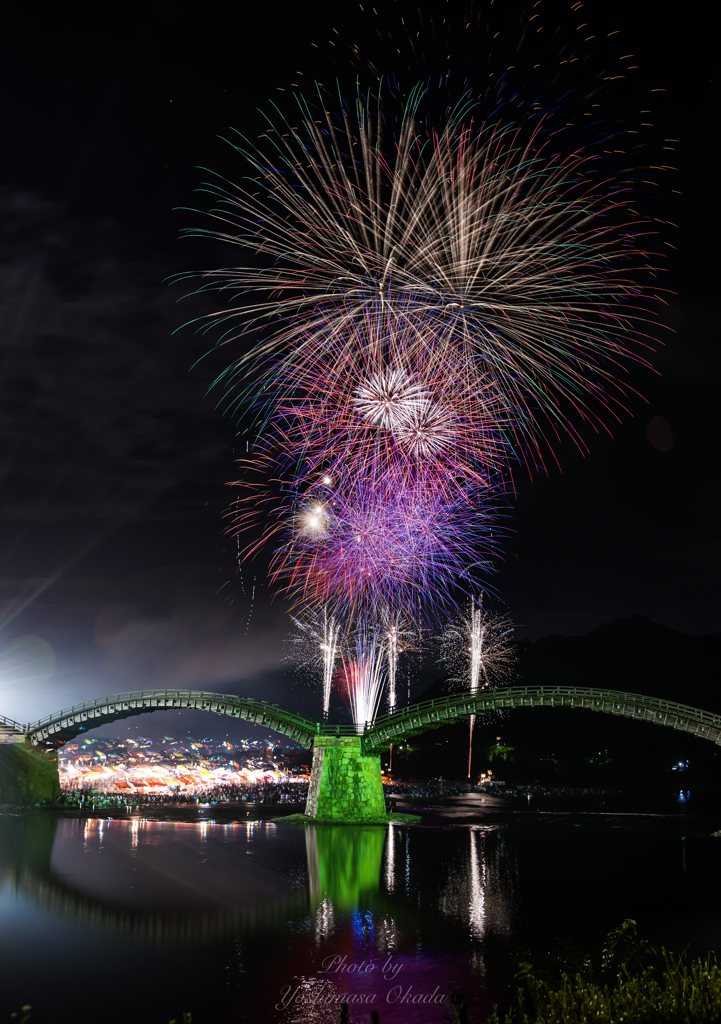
54 730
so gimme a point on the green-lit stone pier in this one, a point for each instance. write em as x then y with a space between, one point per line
345 783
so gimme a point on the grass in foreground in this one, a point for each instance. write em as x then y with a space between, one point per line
632 983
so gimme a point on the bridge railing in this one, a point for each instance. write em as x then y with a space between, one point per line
515 692
342 729
510 696
194 696
8 723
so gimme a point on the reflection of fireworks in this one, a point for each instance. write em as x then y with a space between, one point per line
317 644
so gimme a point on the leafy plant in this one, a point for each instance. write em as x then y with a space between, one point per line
629 983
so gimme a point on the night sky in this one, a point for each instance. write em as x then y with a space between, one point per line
114 460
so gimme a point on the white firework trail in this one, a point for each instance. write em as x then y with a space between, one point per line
318 645
478 648
390 399
476 631
365 675
392 652
399 636
330 649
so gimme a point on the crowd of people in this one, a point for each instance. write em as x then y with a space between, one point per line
87 798
426 789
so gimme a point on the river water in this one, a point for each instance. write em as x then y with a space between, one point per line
219 913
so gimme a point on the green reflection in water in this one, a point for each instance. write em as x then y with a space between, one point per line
344 863
344 870
26 842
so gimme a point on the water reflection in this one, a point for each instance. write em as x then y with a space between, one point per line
481 885
390 858
344 863
351 870
26 844
220 917
336 896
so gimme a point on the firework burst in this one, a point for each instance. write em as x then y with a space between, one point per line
435 305
385 544
477 647
481 236
390 398
316 646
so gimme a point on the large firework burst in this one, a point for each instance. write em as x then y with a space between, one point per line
381 543
436 304
481 235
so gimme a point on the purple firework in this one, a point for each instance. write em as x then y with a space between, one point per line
381 543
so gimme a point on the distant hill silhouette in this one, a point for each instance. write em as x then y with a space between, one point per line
585 748
632 654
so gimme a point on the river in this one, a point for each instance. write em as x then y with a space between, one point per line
228 916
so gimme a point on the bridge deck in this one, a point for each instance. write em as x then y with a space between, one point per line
56 729
435 713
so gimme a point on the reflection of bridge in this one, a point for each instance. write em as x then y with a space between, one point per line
51 893
56 729
345 778
344 868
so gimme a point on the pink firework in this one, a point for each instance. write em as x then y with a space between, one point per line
383 400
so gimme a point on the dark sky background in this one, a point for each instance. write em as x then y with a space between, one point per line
113 461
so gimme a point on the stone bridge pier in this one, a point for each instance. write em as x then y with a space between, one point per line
345 784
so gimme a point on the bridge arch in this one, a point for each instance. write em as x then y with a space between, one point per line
58 728
432 714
